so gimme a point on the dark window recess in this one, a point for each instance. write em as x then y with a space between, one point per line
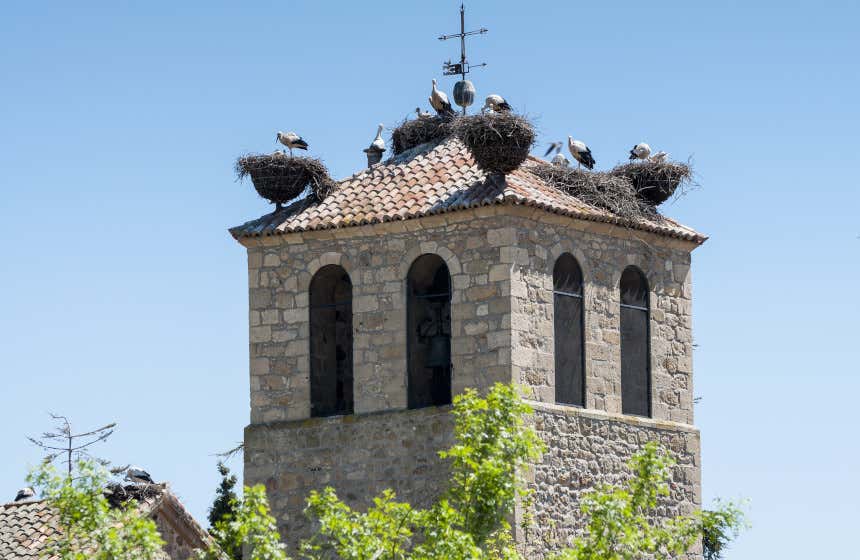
428 318
568 326
635 344
331 342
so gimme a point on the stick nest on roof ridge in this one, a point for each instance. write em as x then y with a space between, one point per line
411 133
603 190
499 142
655 182
280 177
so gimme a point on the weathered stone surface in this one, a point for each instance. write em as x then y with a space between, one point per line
501 266
359 456
586 449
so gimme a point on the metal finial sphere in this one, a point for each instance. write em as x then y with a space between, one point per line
464 93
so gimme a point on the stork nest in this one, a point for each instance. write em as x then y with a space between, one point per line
654 182
499 142
608 191
280 177
118 495
411 133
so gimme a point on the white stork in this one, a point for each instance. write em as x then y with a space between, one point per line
496 103
138 475
291 140
640 151
25 494
580 152
560 160
554 146
439 101
421 114
378 143
660 157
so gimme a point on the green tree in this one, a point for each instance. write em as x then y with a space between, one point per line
224 506
719 527
622 521
249 528
89 528
470 521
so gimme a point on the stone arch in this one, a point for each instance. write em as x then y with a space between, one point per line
635 348
315 264
574 249
330 341
428 331
430 247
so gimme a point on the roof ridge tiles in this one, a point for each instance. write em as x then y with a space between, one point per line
434 178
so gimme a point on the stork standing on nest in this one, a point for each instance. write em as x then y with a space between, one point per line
580 152
138 475
291 140
496 103
640 151
439 101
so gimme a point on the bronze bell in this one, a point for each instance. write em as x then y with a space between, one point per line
439 353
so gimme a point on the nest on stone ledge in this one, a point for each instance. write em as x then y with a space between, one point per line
654 182
280 177
411 133
499 142
608 191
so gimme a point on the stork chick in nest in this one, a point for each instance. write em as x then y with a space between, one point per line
660 157
560 160
496 103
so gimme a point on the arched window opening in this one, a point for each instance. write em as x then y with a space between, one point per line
331 342
635 344
569 330
429 332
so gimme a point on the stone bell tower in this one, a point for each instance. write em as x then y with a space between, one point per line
422 276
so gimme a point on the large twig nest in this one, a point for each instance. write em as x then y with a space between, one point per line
279 177
411 133
499 142
654 182
607 191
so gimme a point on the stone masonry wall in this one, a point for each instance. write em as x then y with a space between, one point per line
602 258
377 259
362 455
501 261
359 456
588 448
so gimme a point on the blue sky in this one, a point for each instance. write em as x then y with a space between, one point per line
124 298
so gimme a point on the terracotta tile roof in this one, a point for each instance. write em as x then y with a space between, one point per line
431 179
25 527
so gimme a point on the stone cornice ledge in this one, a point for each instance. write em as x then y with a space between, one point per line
639 421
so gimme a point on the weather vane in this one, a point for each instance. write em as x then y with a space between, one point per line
464 91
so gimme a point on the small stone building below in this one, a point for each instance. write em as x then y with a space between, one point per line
27 527
422 276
